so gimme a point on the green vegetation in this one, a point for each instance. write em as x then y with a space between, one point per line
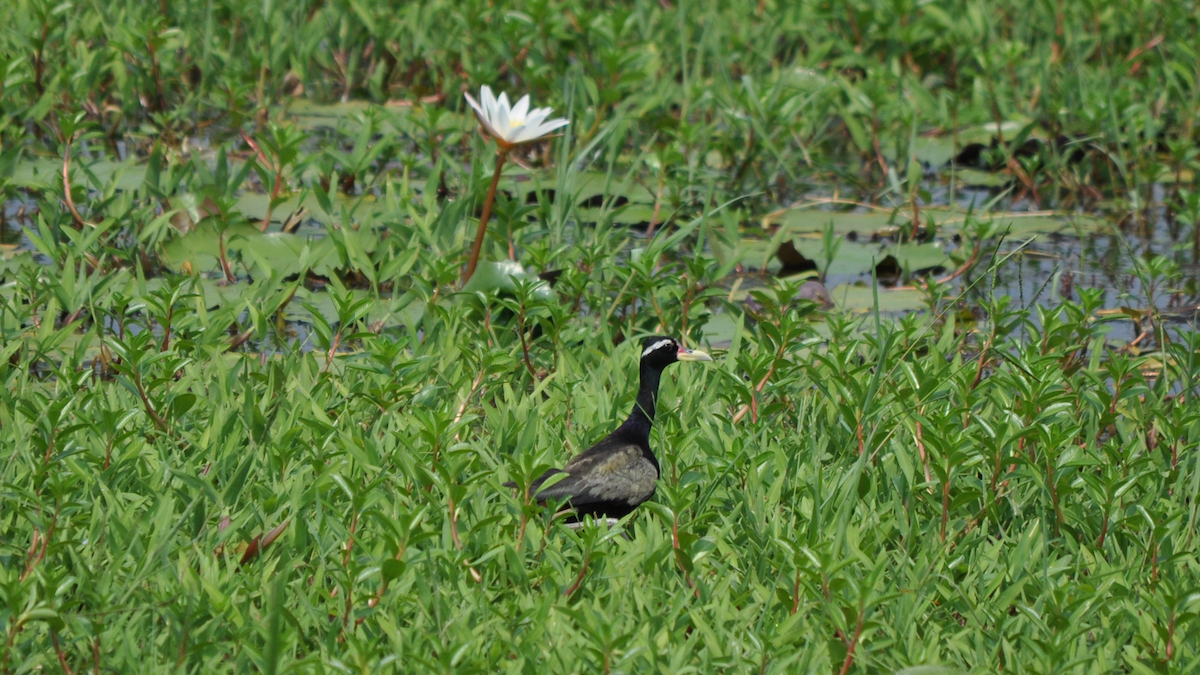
251 422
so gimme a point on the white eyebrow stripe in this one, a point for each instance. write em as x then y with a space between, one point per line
656 345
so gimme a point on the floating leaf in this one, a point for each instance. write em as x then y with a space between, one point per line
918 257
860 297
500 276
977 178
275 253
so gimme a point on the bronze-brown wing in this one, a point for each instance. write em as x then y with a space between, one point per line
617 474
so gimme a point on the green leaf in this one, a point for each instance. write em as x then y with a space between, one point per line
234 488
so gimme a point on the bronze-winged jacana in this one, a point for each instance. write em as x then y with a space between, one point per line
611 478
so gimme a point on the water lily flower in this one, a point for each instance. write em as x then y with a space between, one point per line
512 125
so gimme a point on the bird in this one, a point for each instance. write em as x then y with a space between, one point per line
611 478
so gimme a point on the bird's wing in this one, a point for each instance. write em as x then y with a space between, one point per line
608 472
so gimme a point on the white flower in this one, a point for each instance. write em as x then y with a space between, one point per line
512 125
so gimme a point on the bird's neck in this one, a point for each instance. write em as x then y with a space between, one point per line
642 417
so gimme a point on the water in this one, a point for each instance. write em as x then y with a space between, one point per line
1047 269
1042 270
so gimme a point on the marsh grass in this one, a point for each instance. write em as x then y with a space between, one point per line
230 451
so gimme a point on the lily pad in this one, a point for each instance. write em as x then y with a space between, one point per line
938 149
1024 224
810 219
935 150
385 312
365 207
591 188
629 214
43 172
719 330
277 252
502 276
813 220
13 262
977 178
860 297
857 258
310 115
918 257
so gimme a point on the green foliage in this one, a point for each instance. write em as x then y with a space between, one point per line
252 423
1060 96
921 495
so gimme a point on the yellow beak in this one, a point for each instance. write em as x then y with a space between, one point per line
693 355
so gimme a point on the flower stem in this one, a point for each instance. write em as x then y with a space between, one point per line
501 155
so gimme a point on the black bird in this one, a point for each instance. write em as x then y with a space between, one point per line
613 476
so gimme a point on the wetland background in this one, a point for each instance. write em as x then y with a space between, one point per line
254 422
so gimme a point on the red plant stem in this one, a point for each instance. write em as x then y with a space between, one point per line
254 146
350 540
66 176
337 342
1171 637
525 343
34 554
50 447
753 405
1050 479
521 531
166 343
853 643
154 416
37 549
160 102
949 277
454 524
457 542
462 408
679 556
924 458
278 171
453 513
229 278
473 261
62 658
578 578
981 363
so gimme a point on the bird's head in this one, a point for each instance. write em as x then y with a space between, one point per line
660 351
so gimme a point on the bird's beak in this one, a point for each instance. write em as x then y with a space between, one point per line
693 355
